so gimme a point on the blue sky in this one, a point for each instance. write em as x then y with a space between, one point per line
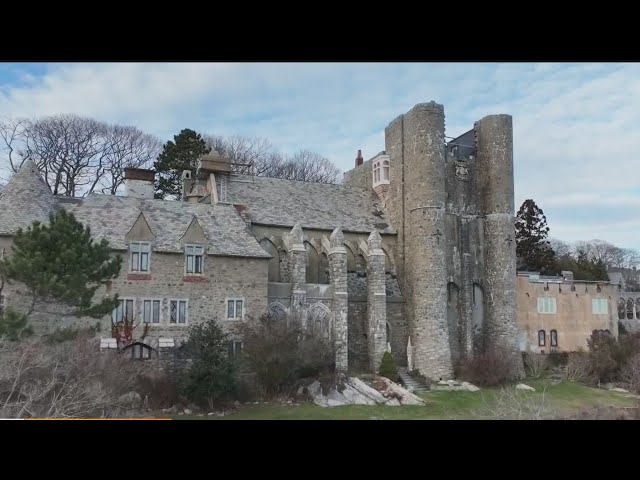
574 124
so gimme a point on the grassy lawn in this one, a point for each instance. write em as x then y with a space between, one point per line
558 400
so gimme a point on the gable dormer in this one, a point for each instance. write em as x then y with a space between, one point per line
194 234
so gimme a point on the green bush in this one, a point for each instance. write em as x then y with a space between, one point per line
13 325
608 355
211 376
388 367
280 353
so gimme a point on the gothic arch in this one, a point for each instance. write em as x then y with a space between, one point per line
318 320
389 261
323 268
313 263
351 259
630 312
277 311
621 309
361 265
638 308
274 261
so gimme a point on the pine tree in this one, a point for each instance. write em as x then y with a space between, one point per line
533 250
178 155
61 263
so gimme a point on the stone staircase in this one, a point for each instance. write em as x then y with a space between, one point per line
410 382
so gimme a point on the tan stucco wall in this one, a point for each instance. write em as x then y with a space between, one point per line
573 320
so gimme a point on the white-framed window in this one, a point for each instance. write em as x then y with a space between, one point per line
139 256
194 259
152 310
235 308
124 310
381 172
542 338
234 349
178 311
599 306
547 305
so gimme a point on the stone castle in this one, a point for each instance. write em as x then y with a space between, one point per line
414 252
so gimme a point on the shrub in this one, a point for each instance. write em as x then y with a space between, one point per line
490 368
630 373
557 359
388 367
13 325
608 355
211 376
280 353
535 363
64 334
578 369
72 379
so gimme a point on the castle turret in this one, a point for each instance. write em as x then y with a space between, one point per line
494 143
416 140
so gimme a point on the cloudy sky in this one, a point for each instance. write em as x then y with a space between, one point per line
574 124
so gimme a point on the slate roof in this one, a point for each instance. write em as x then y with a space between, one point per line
112 217
274 201
25 199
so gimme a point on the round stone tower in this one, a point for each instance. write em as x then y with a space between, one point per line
425 264
494 144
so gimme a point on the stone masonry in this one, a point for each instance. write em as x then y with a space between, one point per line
425 258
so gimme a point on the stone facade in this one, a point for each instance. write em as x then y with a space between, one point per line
416 246
557 313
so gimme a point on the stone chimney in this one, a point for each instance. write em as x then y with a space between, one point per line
359 159
139 182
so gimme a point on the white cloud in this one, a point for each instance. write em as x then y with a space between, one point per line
574 124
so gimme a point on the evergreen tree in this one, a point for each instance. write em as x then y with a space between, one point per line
178 155
60 262
533 250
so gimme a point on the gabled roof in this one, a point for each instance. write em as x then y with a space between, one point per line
322 206
25 199
111 217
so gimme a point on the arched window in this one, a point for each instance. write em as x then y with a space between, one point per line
274 262
630 312
385 170
376 172
621 308
542 338
638 308
554 338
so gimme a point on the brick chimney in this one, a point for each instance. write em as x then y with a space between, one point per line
139 182
359 159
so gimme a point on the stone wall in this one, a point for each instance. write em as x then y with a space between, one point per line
223 278
574 319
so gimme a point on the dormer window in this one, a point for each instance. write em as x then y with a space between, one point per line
381 174
194 259
139 256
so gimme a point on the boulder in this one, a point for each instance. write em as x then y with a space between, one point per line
315 389
356 397
469 387
393 402
187 411
370 392
621 390
522 386
336 399
321 401
405 397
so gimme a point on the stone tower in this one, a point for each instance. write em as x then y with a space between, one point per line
416 202
453 209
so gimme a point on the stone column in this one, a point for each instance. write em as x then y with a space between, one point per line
376 301
338 278
494 143
297 258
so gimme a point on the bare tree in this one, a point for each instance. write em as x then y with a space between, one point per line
266 161
562 249
124 146
12 141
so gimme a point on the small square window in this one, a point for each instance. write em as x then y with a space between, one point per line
178 311
151 311
194 259
599 306
234 349
139 256
235 308
547 305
